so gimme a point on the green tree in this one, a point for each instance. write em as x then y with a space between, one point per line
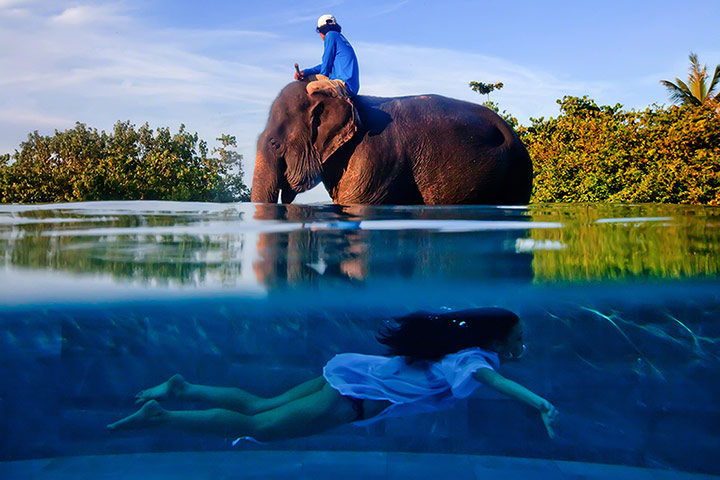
130 163
233 161
696 91
485 88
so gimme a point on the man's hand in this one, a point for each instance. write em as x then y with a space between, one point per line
299 74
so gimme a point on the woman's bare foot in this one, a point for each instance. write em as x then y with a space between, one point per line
173 387
149 414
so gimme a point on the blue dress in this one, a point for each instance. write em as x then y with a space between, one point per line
419 387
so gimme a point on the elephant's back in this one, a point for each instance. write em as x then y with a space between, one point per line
440 137
418 114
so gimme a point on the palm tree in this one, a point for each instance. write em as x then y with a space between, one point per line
696 91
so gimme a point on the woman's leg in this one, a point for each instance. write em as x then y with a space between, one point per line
308 415
230 398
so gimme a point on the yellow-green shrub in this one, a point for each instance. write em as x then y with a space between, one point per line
594 153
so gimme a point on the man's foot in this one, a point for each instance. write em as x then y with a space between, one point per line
149 414
173 387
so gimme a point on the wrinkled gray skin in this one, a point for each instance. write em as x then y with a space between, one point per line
425 149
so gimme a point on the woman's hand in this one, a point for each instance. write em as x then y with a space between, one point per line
514 390
549 414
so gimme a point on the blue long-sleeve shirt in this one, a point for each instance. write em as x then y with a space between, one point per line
339 62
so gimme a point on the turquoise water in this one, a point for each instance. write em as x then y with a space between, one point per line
620 303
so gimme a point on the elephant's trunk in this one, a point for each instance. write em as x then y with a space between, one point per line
266 181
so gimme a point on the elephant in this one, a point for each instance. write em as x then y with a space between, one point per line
414 150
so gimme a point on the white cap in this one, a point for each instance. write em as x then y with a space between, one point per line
326 20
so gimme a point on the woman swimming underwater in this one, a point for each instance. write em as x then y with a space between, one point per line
434 359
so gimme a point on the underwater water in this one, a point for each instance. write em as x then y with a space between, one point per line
621 306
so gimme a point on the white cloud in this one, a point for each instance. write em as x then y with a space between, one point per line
12 3
41 120
98 76
389 8
390 70
85 14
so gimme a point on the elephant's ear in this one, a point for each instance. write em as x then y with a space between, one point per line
333 123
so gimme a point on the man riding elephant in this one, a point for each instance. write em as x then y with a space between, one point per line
411 150
338 74
421 149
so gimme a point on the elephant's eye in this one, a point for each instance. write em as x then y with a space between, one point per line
275 145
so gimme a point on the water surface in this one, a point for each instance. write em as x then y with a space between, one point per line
621 304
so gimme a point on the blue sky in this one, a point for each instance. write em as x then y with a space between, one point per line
216 66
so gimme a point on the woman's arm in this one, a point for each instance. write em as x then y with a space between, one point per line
514 390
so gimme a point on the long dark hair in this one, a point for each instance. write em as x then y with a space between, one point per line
431 336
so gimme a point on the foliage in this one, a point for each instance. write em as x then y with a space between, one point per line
83 164
485 88
231 159
594 153
696 91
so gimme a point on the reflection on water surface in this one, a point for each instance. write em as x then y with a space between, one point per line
260 247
